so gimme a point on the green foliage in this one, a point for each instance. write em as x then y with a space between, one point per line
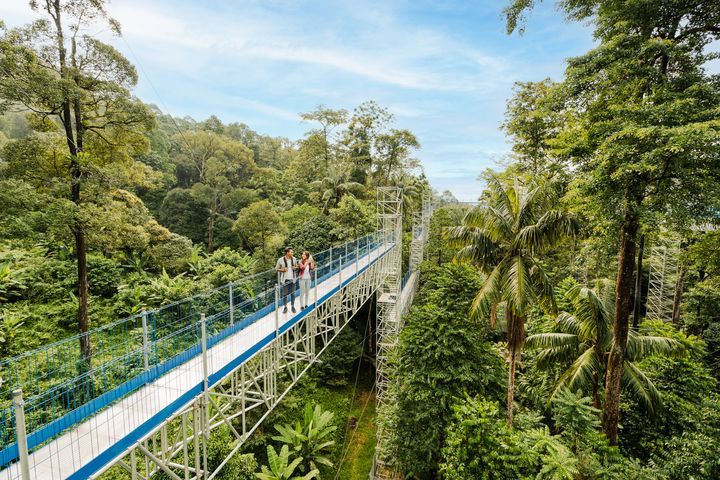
335 368
531 122
224 266
450 286
505 236
580 340
239 467
12 281
351 219
104 276
259 224
440 356
183 214
281 468
442 220
9 324
310 439
298 215
315 235
689 420
481 445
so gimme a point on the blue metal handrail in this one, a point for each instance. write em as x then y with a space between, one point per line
61 390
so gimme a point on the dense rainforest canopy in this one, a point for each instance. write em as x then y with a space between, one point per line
567 326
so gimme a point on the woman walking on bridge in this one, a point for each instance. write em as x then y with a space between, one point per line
306 267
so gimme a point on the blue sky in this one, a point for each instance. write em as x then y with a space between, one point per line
444 68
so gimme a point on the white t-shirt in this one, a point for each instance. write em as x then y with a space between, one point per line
289 263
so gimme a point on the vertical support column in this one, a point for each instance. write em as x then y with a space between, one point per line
145 346
133 465
21 434
197 410
206 395
277 311
184 436
314 276
340 271
231 304
389 205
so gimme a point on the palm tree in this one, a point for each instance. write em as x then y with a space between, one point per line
583 339
334 185
412 188
504 236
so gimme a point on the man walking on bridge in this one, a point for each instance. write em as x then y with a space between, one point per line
286 267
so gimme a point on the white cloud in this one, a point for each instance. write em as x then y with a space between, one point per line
401 56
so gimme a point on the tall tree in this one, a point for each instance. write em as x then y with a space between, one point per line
334 185
393 156
328 119
532 119
643 130
367 122
504 236
60 74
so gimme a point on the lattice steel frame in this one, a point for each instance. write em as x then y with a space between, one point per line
244 398
661 286
389 207
393 310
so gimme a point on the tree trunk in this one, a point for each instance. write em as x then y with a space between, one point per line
211 226
516 334
83 319
638 284
74 143
616 358
677 299
511 387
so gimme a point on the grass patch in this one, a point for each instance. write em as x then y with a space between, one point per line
360 443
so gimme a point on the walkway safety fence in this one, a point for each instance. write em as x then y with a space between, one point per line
60 388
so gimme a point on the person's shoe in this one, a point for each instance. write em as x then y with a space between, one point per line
285 309
293 309
302 308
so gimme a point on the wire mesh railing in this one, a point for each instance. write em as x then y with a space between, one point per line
61 387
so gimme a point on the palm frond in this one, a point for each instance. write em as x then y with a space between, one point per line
490 292
551 340
580 375
543 287
559 355
641 387
517 285
552 227
476 246
568 323
641 346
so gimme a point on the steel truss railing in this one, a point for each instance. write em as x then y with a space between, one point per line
158 348
248 393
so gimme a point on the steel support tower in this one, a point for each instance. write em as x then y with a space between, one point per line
661 287
389 205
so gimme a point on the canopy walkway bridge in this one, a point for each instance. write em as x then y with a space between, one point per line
159 383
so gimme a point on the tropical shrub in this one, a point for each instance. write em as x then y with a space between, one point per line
309 439
439 357
281 468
